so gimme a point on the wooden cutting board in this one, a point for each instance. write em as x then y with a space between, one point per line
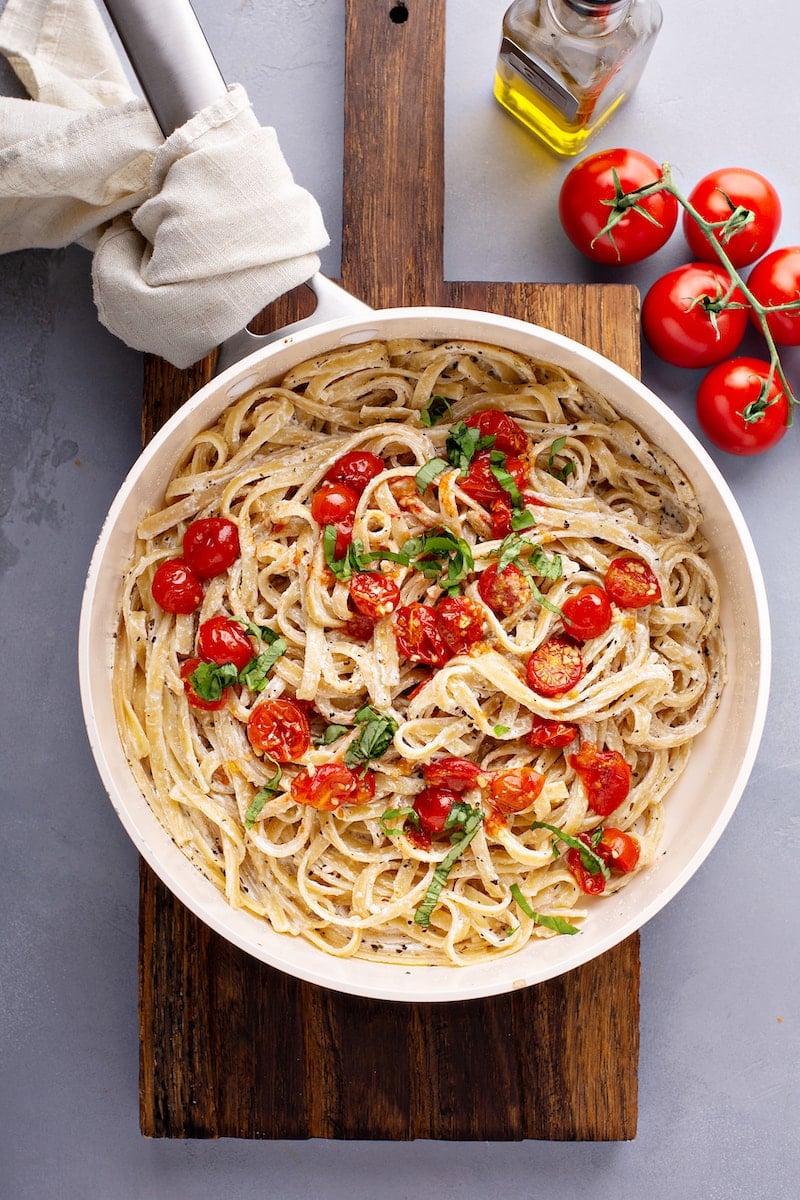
232 1048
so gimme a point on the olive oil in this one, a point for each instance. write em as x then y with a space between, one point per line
565 66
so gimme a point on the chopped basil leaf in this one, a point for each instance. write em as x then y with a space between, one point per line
254 675
559 472
209 680
397 814
463 443
332 734
556 923
427 473
434 411
375 738
262 632
261 797
591 861
472 818
438 555
522 519
354 558
497 465
501 730
547 565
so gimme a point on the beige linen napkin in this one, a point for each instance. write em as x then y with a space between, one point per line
191 236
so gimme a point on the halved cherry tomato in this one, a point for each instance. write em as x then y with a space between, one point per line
587 614
176 588
187 669
716 196
355 468
504 592
359 627
279 729
221 640
741 406
547 731
460 622
631 583
587 199
593 883
508 434
211 545
373 594
681 319
418 636
432 805
605 775
332 785
516 789
455 773
481 484
618 850
555 667
776 280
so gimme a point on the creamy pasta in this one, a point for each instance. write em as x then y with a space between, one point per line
413 756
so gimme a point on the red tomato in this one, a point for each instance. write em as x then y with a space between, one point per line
516 789
555 667
587 614
432 805
740 408
631 583
605 775
211 545
587 203
460 623
776 280
333 503
716 197
546 731
418 636
359 627
175 587
196 701
508 434
457 774
592 883
680 318
330 786
503 591
480 483
373 594
279 729
355 468
221 640
618 850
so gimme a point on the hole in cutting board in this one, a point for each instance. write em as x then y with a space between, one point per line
398 13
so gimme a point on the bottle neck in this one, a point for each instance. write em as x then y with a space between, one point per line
589 18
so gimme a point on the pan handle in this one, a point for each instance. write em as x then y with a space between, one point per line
179 76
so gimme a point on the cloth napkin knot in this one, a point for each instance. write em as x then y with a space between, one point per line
190 236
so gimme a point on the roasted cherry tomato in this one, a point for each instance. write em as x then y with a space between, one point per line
432 805
221 640
776 280
333 503
508 434
187 669
480 483
359 627
454 773
547 731
373 594
555 667
279 729
461 623
330 786
593 883
504 592
605 775
716 197
631 583
618 850
416 630
682 321
176 588
211 545
741 406
587 614
355 468
586 203
516 789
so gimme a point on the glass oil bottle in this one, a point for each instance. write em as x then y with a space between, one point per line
566 65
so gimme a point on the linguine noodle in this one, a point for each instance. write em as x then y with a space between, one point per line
352 880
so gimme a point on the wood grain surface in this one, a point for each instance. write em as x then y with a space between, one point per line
232 1048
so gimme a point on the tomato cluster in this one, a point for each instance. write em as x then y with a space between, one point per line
619 206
